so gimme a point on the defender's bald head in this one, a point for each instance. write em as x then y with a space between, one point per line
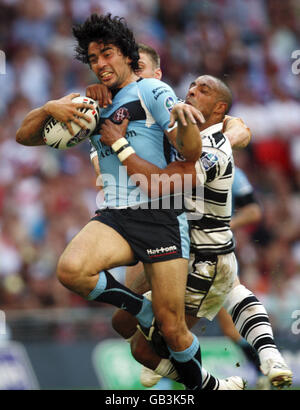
224 93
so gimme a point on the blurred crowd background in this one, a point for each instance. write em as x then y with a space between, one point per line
46 196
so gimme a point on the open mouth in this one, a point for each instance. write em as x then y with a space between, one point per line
106 75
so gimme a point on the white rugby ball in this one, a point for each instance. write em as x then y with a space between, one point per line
57 135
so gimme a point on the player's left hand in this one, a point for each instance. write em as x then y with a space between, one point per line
111 132
185 113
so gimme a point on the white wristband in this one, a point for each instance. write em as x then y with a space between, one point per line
119 144
126 153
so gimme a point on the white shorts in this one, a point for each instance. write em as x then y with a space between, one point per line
210 279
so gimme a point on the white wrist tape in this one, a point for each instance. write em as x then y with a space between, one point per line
126 153
123 149
119 144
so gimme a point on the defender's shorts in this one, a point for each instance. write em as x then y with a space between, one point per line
155 235
210 279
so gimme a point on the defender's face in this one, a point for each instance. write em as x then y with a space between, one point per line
146 68
202 95
110 66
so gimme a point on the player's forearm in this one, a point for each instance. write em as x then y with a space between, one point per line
237 132
249 214
189 142
143 173
31 130
155 181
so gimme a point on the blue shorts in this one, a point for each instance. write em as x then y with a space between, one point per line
154 235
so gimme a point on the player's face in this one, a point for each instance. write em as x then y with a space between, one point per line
202 95
146 68
111 67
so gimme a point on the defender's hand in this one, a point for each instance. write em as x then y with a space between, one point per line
64 110
185 112
111 132
100 93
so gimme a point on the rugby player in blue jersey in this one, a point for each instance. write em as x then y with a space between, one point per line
130 228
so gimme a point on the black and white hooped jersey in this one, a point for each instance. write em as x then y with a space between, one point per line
210 204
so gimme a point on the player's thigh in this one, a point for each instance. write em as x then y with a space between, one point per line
96 247
168 283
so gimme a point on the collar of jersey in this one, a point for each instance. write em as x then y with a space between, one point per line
212 129
116 90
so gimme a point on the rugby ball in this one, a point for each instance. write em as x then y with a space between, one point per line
57 135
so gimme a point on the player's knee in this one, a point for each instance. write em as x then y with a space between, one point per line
169 331
172 327
69 270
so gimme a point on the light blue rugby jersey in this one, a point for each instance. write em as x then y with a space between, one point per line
241 186
149 102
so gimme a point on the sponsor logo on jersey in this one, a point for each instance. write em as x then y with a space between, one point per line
209 160
159 91
169 103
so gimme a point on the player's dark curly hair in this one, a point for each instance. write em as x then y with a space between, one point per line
108 29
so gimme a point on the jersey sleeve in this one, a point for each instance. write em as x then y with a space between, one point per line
212 164
158 99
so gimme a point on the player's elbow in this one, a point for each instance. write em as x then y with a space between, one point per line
23 138
192 156
242 142
246 141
